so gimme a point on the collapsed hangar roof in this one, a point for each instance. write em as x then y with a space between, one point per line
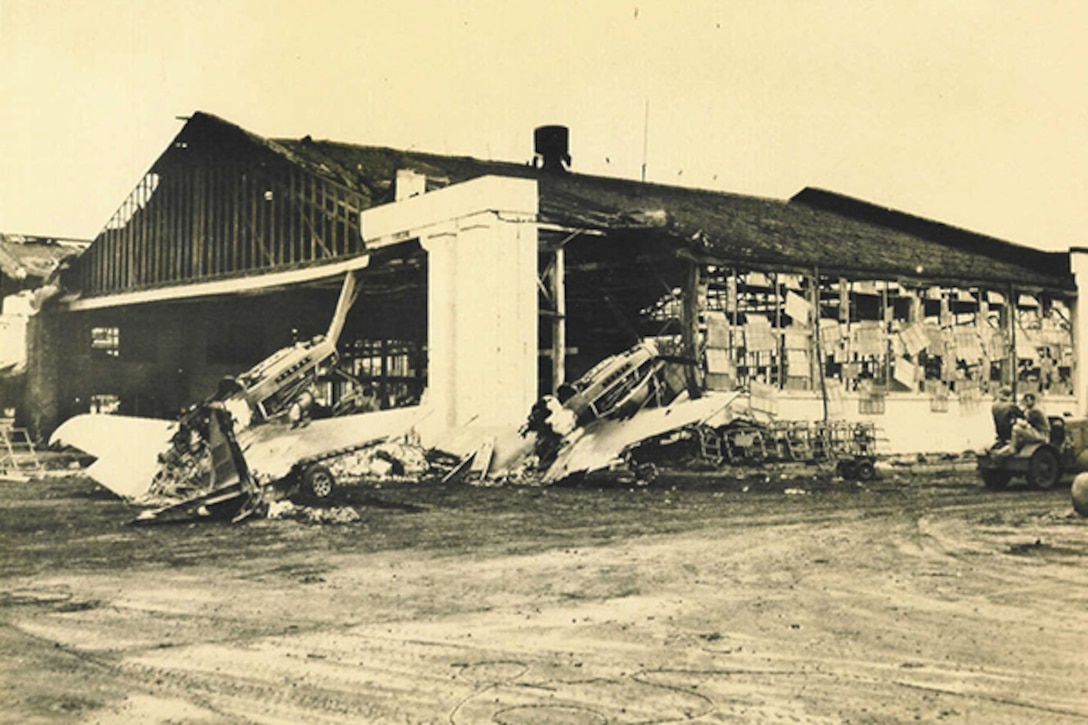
815 229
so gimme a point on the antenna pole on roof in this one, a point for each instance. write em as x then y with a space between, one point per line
645 138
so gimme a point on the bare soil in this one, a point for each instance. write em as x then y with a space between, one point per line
768 596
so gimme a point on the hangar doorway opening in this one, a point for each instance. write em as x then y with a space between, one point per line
384 342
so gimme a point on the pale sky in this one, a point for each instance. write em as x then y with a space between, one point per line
971 113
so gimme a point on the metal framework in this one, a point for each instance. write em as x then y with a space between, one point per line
202 221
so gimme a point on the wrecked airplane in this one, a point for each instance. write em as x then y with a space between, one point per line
623 401
261 436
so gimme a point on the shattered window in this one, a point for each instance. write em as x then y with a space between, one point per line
106 340
1043 341
870 337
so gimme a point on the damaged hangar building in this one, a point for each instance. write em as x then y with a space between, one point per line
484 285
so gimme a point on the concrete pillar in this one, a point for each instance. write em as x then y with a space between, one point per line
482 315
1078 261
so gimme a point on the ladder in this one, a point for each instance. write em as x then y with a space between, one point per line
17 454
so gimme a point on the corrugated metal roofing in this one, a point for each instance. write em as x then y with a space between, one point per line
730 228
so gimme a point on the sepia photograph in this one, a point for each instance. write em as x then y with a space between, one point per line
543 363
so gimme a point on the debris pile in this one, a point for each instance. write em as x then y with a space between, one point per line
638 409
185 470
851 446
313 515
394 461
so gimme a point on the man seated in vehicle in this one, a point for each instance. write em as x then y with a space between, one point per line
1033 427
1005 413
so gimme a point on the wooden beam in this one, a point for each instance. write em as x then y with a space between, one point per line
238 214
254 232
140 253
291 243
690 321
779 335
273 231
128 258
1011 315
235 285
559 322
819 368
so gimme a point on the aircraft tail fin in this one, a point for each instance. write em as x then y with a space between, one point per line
348 293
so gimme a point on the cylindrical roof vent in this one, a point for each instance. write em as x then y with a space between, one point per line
552 147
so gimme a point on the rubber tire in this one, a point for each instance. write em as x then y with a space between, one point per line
1044 469
847 468
865 470
645 473
318 483
995 479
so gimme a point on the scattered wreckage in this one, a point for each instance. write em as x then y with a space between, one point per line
636 409
263 438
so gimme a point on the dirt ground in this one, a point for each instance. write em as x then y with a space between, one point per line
770 596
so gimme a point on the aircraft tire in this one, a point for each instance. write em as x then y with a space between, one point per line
318 483
645 473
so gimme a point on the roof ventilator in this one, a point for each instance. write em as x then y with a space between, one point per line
552 147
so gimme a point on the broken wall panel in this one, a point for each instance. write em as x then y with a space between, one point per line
872 337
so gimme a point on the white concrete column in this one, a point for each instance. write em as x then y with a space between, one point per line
481 240
1078 261
441 392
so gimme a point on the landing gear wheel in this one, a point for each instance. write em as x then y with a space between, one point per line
995 479
645 473
318 482
1043 469
865 470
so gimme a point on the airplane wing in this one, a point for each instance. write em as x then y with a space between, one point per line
272 449
126 448
603 441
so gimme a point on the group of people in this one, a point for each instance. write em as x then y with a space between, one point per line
1018 425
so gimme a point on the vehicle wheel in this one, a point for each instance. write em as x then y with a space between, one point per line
865 470
994 478
847 468
318 482
645 473
1043 469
